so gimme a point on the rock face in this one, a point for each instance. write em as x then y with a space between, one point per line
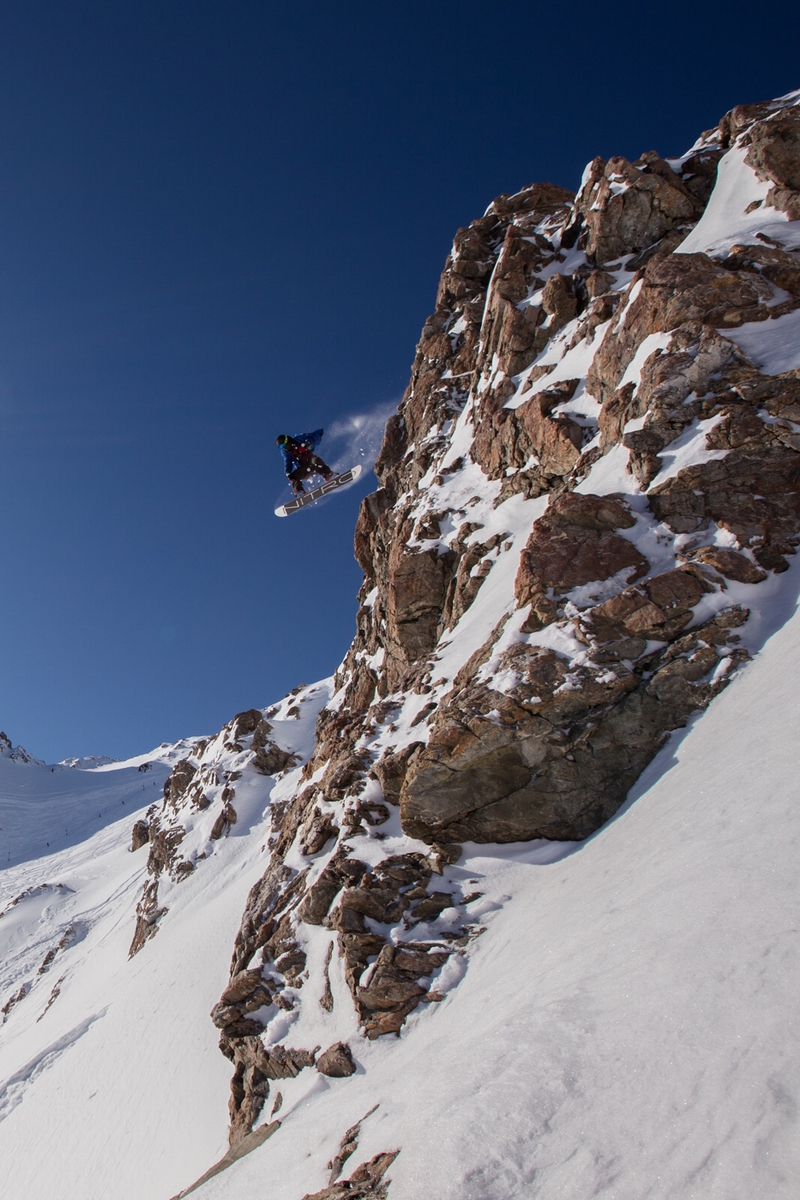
623 207
556 758
771 133
587 487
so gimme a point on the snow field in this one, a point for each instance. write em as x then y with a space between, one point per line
122 1070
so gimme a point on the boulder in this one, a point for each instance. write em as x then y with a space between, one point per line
730 564
336 1061
416 593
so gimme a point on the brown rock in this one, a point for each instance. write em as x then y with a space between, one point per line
600 514
556 441
381 904
278 1062
318 832
417 585
430 908
655 609
246 993
599 283
372 509
178 781
337 1061
559 302
730 564
366 1183
292 964
319 897
555 762
417 963
676 591
223 823
269 759
754 494
774 154
627 206
775 264
390 770
509 332
572 545
771 559
245 723
344 773
140 835
677 289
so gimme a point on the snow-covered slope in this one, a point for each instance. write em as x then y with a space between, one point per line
626 1026
109 1065
444 953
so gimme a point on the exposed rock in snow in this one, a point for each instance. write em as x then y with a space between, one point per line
203 784
16 754
773 150
336 1061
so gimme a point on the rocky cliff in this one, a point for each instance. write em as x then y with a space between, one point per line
590 488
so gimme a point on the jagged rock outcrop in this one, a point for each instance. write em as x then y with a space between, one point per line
574 543
204 783
140 835
367 1182
771 133
589 484
624 207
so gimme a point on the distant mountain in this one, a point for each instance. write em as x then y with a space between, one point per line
511 900
88 762
15 753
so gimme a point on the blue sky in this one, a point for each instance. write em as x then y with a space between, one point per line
221 221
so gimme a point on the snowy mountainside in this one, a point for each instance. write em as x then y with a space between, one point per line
98 1048
500 926
47 807
625 1026
589 500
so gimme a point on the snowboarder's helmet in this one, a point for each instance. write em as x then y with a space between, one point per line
281 438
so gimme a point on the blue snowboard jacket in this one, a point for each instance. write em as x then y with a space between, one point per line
309 440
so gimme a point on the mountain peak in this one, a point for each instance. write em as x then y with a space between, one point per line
16 754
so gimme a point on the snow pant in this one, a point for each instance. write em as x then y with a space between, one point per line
313 465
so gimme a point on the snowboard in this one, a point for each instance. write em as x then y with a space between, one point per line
338 481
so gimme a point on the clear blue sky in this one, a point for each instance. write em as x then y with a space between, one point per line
224 220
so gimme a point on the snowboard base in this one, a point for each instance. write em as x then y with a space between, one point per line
286 510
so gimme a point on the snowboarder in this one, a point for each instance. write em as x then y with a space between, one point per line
300 460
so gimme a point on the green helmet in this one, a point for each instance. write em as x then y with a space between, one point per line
281 438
